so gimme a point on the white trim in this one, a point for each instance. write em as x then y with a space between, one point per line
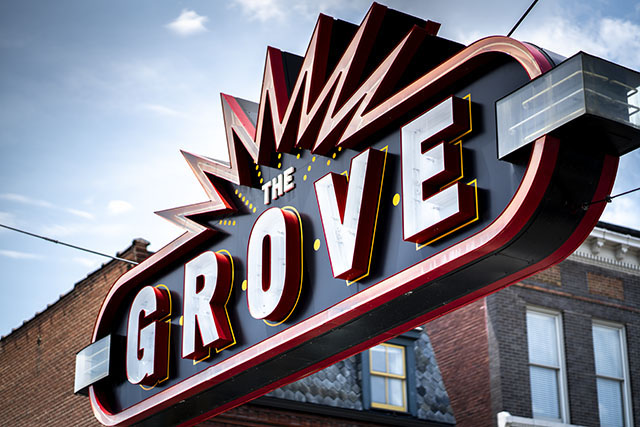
615 237
607 248
563 393
505 419
600 261
626 383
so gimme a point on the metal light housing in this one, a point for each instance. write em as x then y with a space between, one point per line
584 96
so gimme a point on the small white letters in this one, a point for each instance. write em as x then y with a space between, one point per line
282 183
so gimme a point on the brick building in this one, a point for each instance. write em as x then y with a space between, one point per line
558 347
37 360
37 364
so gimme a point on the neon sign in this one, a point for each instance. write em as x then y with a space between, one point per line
365 198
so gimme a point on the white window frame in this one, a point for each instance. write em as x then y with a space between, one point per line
563 394
626 383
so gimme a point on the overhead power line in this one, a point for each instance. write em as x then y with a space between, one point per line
48 239
607 199
522 18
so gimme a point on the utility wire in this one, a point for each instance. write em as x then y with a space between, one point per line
69 245
607 199
585 205
522 18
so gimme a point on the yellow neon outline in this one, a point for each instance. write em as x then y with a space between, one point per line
475 185
295 211
166 319
195 362
375 223
224 251
458 141
226 311
468 98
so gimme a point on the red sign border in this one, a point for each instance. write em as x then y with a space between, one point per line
500 232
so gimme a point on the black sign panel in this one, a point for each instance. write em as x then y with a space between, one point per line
511 218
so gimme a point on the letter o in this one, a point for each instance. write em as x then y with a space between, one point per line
274 265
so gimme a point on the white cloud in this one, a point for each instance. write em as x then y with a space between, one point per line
623 211
162 110
18 254
267 10
7 218
622 39
262 10
188 23
614 39
58 230
133 74
116 207
12 197
312 8
87 262
19 198
569 27
78 212
100 230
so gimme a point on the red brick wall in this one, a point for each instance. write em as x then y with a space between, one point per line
550 276
251 415
37 361
37 365
605 286
460 343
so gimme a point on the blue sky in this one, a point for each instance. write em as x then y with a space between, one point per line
97 99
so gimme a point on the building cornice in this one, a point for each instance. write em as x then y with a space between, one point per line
611 249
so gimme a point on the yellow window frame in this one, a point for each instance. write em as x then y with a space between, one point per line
387 376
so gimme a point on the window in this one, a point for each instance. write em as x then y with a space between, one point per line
388 377
612 374
546 365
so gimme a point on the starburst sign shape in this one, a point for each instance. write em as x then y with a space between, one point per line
357 89
328 105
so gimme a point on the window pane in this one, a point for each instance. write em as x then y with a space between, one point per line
606 345
378 362
396 360
610 402
377 389
544 392
396 391
543 343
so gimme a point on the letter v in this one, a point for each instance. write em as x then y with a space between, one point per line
347 209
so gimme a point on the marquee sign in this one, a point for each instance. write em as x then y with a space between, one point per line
365 195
